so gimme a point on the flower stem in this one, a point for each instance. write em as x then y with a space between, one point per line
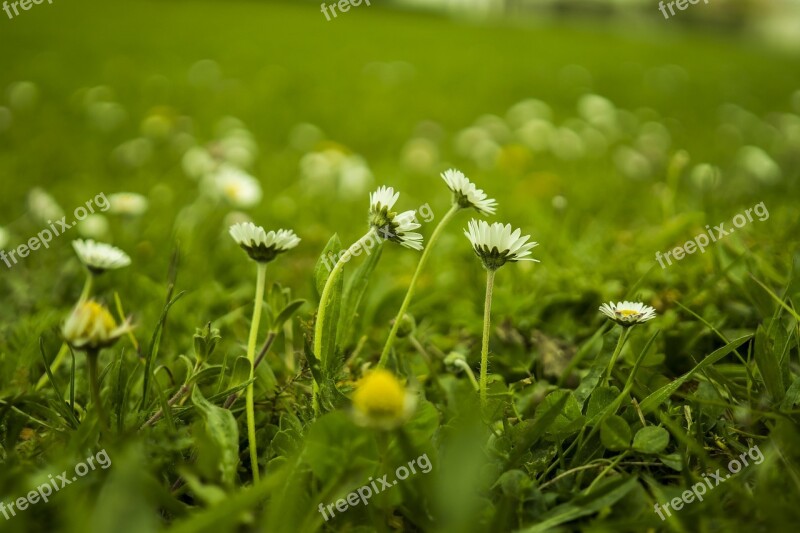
251 354
64 350
487 311
323 308
410 293
617 351
94 386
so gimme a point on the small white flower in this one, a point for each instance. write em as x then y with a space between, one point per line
237 186
465 194
99 257
43 206
94 227
127 203
260 245
497 244
628 313
389 225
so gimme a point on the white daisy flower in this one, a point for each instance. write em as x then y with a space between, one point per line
127 203
237 186
465 194
99 257
389 225
497 244
43 206
628 313
260 245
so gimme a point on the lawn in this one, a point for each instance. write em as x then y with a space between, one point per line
651 164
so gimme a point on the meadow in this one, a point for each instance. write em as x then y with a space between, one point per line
606 145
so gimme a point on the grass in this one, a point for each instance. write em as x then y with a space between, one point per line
712 376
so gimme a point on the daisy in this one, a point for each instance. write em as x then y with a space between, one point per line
237 186
260 245
99 257
628 313
497 244
389 225
90 326
380 401
127 203
466 195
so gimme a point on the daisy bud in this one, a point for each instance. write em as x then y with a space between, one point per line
380 401
205 341
91 327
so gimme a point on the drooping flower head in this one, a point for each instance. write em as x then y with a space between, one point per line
91 326
497 244
381 401
99 256
466 195
628 313
260 245
389 225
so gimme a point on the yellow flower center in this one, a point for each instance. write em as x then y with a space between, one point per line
627 312
380 395
232 190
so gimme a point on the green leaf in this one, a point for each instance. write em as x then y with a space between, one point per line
606 495
531 431
241 371
217 438
601 398
768 365
615 434
354 293
651 439
287 312
569 419
654 400
326 262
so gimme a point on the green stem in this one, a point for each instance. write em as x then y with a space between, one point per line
64 350
487 311
87 288
470 374
251 354
617 351
323 308
94 386
410 293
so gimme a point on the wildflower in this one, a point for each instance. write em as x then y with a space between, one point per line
128 203
389 225
91 327
99 257
236 186
43 206
260 245
94 226
466 195
627 314
497 244
381 401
